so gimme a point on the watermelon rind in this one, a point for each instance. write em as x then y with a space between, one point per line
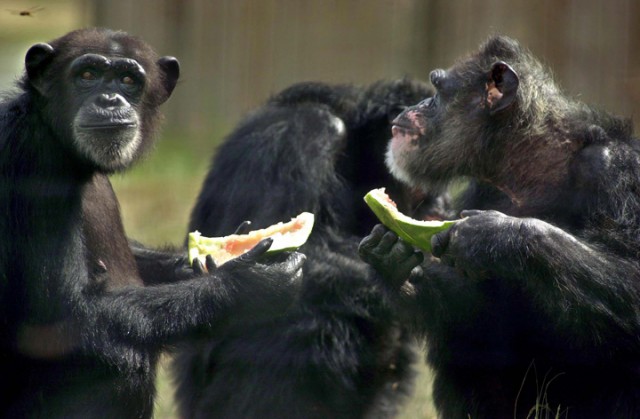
415 232
200 246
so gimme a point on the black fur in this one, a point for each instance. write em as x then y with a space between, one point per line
339 352
80 332
536 306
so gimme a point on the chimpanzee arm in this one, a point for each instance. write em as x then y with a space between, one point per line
148 317
587 294
160 266
586 291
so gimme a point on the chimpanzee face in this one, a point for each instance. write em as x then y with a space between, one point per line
107 93
100 98
440 138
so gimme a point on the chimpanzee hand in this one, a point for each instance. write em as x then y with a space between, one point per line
262 285
482 242
389 255
201 269
210 265
288 264
283 265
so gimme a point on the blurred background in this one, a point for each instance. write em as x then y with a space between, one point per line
236 53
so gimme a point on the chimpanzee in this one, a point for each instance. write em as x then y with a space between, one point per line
81 324
339 352
533 308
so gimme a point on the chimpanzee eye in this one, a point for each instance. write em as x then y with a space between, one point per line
88 75
130 83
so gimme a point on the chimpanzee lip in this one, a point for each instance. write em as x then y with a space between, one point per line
404 128
402 125
111 125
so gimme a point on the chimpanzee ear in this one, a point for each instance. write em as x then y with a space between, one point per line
170 68
36 60
502 87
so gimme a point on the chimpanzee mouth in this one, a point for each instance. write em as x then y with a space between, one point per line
111 125
404 130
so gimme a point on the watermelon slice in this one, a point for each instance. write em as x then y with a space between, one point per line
415 232
286 236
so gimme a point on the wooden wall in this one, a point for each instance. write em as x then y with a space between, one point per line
235 53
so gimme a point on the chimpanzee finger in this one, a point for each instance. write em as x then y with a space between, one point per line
440 242
243 228
386 242
379 230
370 242
377 233
417 273
404 259
403 250
198 267
411 263
210 263
400 249
258 250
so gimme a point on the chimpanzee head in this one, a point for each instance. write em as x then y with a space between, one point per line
99 91
480 104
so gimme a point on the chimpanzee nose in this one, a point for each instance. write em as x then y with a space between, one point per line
110 100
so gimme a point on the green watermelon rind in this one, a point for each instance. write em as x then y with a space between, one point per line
415 232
